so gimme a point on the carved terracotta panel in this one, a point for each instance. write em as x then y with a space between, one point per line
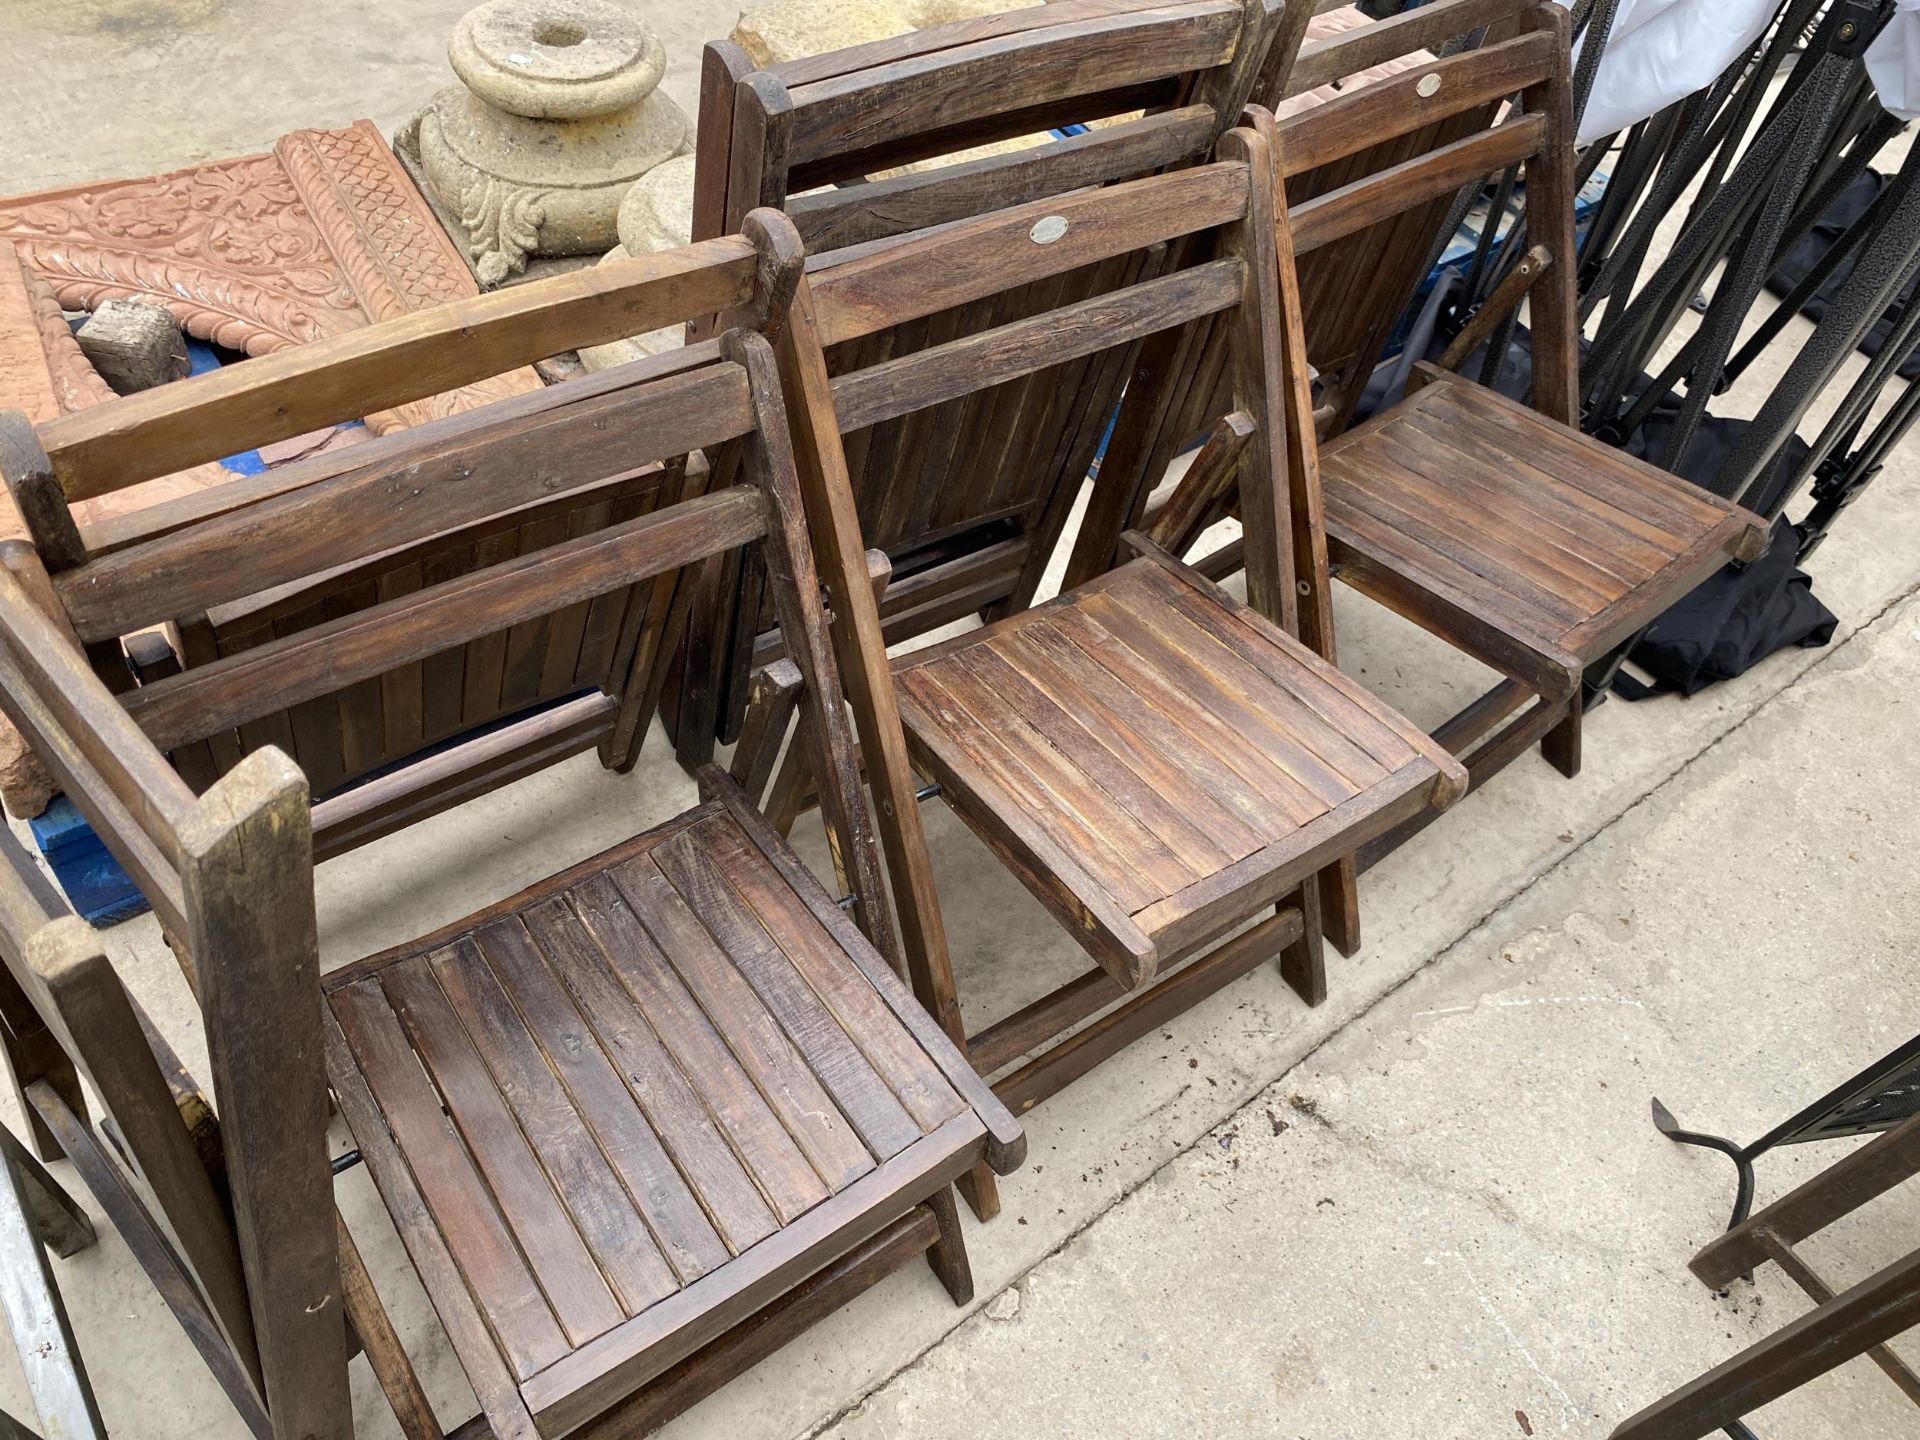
323 235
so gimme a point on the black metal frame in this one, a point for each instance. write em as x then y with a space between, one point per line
1861 1105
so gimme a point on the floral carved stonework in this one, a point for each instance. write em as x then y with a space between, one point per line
325 234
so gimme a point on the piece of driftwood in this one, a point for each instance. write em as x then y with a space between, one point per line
695 1105
1158 763
968 497
134 346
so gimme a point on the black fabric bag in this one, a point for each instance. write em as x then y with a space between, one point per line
1730 623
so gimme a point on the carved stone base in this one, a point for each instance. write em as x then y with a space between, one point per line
557 113
406 149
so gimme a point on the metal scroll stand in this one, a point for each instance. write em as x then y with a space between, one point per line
1878 1098
1882 1100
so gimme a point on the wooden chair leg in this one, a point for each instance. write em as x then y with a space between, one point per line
702 657
63 1227
1870 1314
1561 745
1303 963
787 795
982 1190
775 695
28 1051
381 1344
1340 905
948 1254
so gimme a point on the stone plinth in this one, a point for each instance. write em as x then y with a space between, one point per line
558 113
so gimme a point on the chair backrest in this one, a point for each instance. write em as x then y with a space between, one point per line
967 105
967 499
384 720
245 567
1378 170
230 872
1357 155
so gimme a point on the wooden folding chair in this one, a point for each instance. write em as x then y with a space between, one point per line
1499 528
967 499
637 1124
1159 763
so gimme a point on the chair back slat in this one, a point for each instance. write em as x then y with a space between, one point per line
1387 195
345 377
1349 123
321 660
408 488
1429 27
924 275
992 357
941 94
837 218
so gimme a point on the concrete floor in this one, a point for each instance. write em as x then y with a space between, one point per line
1434 1206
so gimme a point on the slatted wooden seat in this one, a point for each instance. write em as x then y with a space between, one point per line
1498 527
1162 753
969 104
1535 530
1560 581
679 1080
638 1125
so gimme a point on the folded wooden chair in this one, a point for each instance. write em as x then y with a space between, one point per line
1499 528
637 1124
1159 763
236 568
967 499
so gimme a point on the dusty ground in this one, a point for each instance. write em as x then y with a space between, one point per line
1434 1206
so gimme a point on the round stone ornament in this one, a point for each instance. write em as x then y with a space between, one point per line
558 113
556 59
